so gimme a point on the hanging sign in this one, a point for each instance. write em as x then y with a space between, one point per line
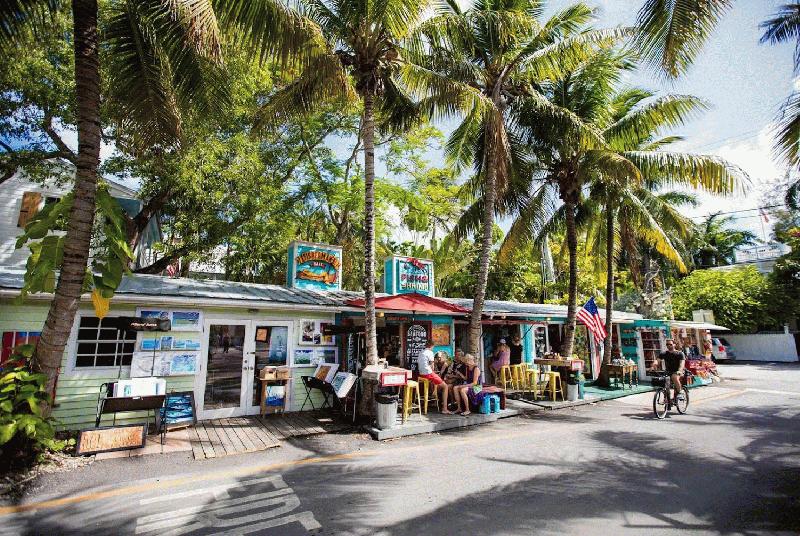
404 275
415 336
140 323
314 266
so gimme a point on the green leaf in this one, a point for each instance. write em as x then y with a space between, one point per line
7 431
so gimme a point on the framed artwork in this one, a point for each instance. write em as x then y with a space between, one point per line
326 371
150 345
166 342
153 313
303 356
186 320
326 339
308 329
180 343
142 364
182 364
342 383
440 333
262 334
326 355
179 409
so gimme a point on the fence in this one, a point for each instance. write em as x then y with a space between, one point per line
764 346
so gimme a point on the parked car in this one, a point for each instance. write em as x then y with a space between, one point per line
721 349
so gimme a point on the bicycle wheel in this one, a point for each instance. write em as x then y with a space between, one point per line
661 403
683 401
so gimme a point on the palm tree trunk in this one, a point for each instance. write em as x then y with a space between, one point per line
61 316
369 229
609 280
572 247
489 194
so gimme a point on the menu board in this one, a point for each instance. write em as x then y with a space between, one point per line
415 336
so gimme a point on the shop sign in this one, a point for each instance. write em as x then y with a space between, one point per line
140 323
404 275
111 438
314 266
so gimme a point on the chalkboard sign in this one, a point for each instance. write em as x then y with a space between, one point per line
415 336
179 410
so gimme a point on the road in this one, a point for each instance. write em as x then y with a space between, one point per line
730 466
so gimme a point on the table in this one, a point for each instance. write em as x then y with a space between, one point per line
264 385
622 372
568 363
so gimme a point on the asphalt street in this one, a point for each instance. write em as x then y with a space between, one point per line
730 466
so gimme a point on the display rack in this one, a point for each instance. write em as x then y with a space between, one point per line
651 347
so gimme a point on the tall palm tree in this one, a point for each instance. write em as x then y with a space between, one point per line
344 51
161 51
502 50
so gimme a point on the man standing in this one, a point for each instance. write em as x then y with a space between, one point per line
425 367
672 361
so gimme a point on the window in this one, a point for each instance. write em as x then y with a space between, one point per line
101 343
16 338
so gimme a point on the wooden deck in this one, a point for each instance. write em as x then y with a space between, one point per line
223 437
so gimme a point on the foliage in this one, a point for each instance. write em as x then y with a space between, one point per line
25 432
741 298
715 241
111 254
785 280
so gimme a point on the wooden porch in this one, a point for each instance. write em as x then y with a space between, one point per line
223 437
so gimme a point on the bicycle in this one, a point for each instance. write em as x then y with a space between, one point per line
662 402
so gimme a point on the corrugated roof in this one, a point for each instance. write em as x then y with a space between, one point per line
690 324
498 307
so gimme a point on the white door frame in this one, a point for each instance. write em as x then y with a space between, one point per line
248 365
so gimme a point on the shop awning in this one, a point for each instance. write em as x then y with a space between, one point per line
415 303
687 324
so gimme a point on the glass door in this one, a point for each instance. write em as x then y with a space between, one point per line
224 380
271 348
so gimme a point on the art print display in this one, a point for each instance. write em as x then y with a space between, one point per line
326 371
326 340
179 409
440 333
186 320
154 313
342 383
303 356
182 364
179 343
166 342
308 332
150 345
326 355
142 364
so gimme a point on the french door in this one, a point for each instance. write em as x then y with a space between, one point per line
235 351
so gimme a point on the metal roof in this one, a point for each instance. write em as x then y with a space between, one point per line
690 324
509 308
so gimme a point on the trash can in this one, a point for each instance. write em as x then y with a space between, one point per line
386 415
572 392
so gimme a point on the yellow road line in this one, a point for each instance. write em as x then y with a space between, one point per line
247 471
718 397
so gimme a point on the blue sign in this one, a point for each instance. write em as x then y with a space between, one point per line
404 275
314 266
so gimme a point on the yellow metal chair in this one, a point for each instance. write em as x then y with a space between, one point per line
409 390
519 376
427 395
540 382
504 375
555 385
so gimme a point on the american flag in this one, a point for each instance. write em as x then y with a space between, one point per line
172 269
590 317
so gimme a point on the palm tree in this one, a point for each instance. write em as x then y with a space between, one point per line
782 27
161 51
715 241
502 51
344 51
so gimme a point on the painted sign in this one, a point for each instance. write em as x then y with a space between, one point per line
416 336
314 266
111 438
404 275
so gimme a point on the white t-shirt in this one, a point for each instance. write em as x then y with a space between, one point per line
424 361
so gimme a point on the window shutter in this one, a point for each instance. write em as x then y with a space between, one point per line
30 206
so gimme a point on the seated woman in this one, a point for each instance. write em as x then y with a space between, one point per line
466 392
502 357
440 363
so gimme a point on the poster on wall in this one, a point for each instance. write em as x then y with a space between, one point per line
303 356
142 364
326 340
154 314
415 336
150 345
441 334
186 320
314 266
326 355
308 332
182 364
181 343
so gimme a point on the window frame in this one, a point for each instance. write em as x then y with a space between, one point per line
73 369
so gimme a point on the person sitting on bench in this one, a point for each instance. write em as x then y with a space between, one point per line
425 367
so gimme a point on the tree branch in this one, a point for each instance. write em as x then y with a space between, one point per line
63 149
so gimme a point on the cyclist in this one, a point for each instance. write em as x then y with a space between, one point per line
673 361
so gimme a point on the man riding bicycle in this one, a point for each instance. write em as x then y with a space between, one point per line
673 361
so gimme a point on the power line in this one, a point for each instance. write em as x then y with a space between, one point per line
741 210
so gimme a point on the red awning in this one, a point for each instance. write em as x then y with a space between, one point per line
416 303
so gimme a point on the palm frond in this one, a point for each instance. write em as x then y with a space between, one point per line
672 32
15 14
660 143
787 139
643 122
710 173
782 27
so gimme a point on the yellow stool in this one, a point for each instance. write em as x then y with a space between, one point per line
555 385
540 382
505 376
519 376
409 389
427 396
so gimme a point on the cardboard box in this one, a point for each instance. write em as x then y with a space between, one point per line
269 373
283 373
